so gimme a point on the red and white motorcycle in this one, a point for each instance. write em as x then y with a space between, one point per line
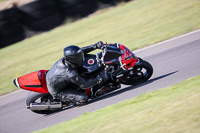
121 62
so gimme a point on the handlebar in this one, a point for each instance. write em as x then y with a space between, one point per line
107 54
113 54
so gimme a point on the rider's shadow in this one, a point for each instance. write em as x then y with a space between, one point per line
119 91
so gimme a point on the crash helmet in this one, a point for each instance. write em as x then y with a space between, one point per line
74 55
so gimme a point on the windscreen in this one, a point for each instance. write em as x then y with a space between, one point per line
111 53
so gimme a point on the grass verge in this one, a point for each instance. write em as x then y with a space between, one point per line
174 109
136 24
2 0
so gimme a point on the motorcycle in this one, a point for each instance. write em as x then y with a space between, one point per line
122 64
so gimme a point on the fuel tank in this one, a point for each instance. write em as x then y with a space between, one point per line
90 67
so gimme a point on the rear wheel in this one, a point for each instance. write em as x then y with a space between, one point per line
139 74
34 97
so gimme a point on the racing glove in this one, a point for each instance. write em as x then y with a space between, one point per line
98 45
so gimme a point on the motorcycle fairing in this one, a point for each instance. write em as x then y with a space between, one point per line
128 59
111 53
121 54
35 81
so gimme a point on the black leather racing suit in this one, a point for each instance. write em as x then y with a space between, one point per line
63 74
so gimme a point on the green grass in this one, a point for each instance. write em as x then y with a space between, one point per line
174 109
3 0
136 24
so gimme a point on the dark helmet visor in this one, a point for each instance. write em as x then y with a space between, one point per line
76 59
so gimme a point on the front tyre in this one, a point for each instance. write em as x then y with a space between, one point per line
34 97
139 74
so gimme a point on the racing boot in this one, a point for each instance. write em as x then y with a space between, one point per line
73 96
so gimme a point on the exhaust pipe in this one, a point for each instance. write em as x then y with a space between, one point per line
45 106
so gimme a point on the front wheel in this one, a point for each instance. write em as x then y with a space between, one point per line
139 74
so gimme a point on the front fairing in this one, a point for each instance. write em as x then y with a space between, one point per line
120 55
111 53
128 59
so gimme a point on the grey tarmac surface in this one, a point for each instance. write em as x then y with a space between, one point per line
173 61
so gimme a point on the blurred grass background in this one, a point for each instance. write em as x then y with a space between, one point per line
136 24
174 109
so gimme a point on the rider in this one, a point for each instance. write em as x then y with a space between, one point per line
63 79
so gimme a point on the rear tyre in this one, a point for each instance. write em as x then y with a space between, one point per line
139 74
34 97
